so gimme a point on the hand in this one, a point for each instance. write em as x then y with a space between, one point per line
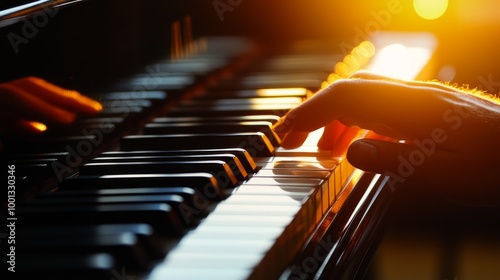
28 104
451 137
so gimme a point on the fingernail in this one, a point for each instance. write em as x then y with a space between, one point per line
37 126
96 106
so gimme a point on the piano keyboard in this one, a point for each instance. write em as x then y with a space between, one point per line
181 176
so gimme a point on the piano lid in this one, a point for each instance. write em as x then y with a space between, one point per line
15 10
84 44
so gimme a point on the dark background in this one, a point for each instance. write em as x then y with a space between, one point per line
99 40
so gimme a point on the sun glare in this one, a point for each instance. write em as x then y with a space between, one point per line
393 61
430 9
40 127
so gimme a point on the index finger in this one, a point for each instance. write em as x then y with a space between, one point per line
69 100
389 108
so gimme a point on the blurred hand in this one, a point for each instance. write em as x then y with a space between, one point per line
28 104
451 137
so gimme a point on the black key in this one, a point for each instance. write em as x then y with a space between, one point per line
295 62
34 170
124 112
124 247
221 171
279 109
28 161
46 265
233 161
54 144
160 216
195 65
191 196
99 120
34 156
175 201
131 95
155 82
145 103
244 157
247 118
172 200
156 247
311 81
205 183
256 143
131 109
262 93
219 102
214 127
80 129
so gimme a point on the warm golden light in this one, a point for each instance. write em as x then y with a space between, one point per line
38 126
332 78
351 63
430 9
364 51
393 61
402 55
342 69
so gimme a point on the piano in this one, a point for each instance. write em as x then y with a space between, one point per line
181 175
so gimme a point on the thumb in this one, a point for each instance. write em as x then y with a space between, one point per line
438 171
407 162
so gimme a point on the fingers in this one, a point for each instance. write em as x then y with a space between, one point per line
438 171
373 135
337 138
393 109
293 139
408 162
23 105
381 156
16 126
331 134
30 100
59 97
365 75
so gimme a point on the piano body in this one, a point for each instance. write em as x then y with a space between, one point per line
181 176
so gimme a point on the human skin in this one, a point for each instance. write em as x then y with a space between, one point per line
443 137
29 101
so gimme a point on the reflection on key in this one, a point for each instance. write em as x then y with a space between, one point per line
274 190
231 209
181 273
